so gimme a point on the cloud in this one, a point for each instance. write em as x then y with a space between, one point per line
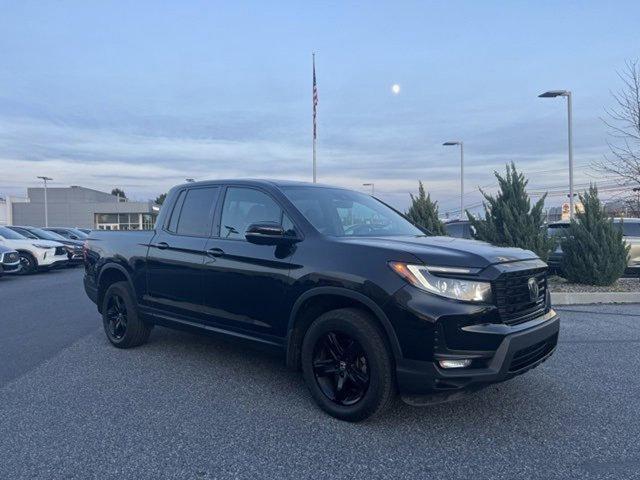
147 158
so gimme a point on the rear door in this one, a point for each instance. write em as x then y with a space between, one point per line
176 256
245 283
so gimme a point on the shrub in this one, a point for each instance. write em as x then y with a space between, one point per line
424 212
594 251
509 220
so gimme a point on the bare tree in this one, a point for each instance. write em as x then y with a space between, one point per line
623 122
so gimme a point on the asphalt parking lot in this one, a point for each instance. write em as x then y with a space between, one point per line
183 406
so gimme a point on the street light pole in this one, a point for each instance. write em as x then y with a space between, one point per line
373 188
461 143
46 206
566 93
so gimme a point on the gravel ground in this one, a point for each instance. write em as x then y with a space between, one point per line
189 407
559 284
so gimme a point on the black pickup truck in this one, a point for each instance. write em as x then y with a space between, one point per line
362 301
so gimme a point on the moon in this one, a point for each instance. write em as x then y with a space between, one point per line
395 88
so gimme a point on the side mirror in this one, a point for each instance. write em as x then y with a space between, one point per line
267 233
73 237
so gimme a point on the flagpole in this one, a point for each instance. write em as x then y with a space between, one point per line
315 102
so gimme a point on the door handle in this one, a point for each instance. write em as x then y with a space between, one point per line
215 252
162 245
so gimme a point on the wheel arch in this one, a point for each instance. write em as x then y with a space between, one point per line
36 264
109 275
319 300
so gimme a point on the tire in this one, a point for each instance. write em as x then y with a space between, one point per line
122 324
28 263
363 355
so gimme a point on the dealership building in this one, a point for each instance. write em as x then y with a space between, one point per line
79 207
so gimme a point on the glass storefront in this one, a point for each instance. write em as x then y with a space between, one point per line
124 221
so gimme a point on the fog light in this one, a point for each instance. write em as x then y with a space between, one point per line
455 363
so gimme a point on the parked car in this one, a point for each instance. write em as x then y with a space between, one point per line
69 233
73 247
459 229
86 231
363 311
631 233
34 254
9 260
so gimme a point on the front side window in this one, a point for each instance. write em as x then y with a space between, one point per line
345 213
196 214
629 229
244 206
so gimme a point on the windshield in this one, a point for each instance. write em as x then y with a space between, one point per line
47 235
345 213
10 234
80 234
558 230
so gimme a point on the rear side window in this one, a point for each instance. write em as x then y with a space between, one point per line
196 214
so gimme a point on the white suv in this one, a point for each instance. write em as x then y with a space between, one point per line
34 254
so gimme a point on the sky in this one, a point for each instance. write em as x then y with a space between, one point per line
141 95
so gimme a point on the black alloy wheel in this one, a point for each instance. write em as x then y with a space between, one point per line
122 324
27 263
116 317
347 365
341 368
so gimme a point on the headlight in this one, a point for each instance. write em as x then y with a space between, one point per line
39 245
421 276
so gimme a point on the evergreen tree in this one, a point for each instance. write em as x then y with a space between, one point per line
424 212
160 199
594 251
509 220
118 192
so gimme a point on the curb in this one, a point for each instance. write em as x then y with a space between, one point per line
584 298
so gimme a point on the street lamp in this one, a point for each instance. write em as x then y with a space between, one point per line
373 188
449 144
46 206
566 93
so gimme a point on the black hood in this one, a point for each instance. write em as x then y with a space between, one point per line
447 251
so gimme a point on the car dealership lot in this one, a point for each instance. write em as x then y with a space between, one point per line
182 406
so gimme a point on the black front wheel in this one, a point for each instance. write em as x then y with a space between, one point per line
347 365
120 319
28 263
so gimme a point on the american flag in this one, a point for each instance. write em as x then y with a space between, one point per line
315 97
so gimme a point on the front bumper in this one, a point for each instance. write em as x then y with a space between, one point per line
520 349
9 267
57 263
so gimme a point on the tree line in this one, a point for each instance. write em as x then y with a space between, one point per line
594 251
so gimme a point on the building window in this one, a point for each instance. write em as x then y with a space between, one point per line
125 221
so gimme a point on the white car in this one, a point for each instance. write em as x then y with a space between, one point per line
34 254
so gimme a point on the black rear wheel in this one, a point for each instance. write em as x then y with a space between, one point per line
122 325
347 365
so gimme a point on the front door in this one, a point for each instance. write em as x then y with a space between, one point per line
177 252
245 283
